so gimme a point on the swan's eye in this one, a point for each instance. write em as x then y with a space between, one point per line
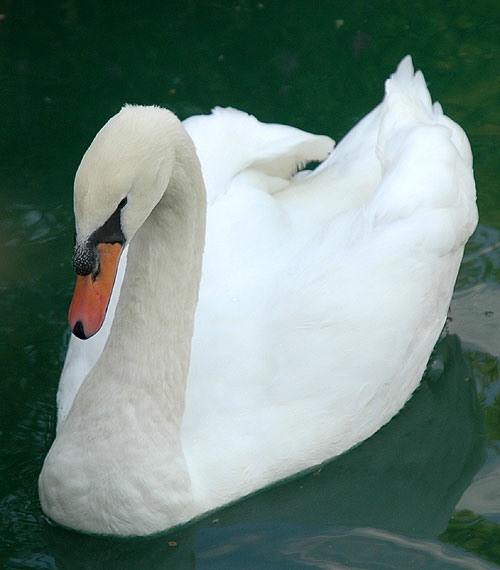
86 257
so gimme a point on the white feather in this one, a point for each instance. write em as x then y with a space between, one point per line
321 298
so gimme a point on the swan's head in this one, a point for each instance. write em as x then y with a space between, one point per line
122 177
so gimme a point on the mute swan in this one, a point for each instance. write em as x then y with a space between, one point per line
323 293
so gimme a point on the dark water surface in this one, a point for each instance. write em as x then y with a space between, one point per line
424 492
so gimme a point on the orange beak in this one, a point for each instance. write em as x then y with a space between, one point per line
91 297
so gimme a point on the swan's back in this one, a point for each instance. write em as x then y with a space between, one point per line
333 290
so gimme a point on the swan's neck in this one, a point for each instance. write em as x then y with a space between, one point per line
150 340
117 464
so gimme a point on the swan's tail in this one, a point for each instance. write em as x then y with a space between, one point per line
407 102
406 80
426 161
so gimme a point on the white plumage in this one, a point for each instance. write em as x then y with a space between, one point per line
322 295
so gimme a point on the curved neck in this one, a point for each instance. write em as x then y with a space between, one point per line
126 418
153 325
146 357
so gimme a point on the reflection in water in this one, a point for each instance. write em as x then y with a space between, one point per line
476 302
332 549
476 316
483 495
399 481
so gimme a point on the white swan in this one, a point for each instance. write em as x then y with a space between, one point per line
322 296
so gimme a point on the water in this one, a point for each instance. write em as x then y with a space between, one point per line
424 492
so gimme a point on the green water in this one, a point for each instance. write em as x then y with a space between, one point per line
424 492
